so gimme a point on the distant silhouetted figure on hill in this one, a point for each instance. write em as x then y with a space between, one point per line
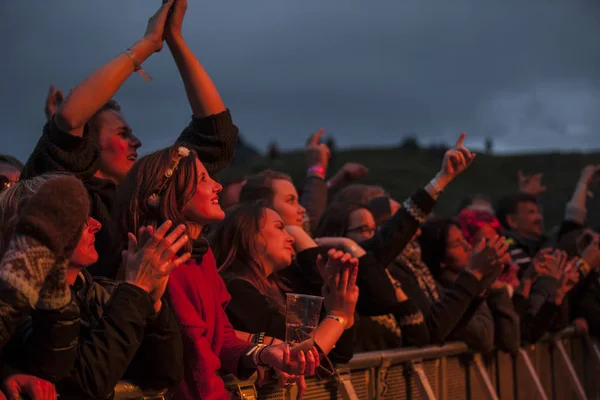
489 145
273 151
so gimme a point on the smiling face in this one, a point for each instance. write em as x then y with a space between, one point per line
285 202
528 220
274 245
118 146
85 253
203 208
458 250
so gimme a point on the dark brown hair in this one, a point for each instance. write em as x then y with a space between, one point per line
358 193
234 247
259 187
145 177
335 220
433 242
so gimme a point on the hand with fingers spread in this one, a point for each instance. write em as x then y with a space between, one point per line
455 161
555 266
340 290
568 279
150 258
155 29
15 386
317 155
531 184
350 172
486 260
53 100
540 265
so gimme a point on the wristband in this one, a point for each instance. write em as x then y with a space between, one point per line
436 186
254 354
317 171
583 267
341 320
137 67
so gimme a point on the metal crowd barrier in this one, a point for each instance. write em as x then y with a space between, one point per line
561 366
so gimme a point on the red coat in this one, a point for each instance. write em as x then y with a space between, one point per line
198 297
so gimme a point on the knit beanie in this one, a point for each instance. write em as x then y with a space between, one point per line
47 231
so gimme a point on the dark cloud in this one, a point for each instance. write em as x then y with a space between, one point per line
523 72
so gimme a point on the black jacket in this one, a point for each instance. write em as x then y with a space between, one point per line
121 337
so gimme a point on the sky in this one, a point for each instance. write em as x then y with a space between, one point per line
370 72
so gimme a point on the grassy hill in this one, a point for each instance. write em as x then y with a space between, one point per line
401 171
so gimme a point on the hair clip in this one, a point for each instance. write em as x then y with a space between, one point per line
154 199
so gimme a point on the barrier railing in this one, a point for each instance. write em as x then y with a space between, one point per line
561 366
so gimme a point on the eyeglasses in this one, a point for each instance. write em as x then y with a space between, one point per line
6 182
363 230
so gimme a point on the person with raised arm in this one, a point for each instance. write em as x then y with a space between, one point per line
87 134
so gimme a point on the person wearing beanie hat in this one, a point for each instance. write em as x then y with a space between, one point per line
33 268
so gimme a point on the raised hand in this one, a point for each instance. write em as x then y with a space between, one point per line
340 290
568 279
317 154
486 260
455 161
53 100
15 386
531 184
349 172
156 26
148 265
555 267
175 20
588 174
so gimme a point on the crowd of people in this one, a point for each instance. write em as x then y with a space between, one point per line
149 270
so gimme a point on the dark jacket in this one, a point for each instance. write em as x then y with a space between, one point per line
121 337
213 138
478 331
450 312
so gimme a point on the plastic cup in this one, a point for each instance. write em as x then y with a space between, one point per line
302 315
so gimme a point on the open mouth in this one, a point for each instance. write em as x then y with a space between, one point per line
215 201
132 157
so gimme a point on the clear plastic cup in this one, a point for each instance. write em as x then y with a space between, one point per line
302 315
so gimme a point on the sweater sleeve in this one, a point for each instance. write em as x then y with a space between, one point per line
507 332
214 138
314 199
105 353
58 151
158 364
395 234
251 312
412 324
